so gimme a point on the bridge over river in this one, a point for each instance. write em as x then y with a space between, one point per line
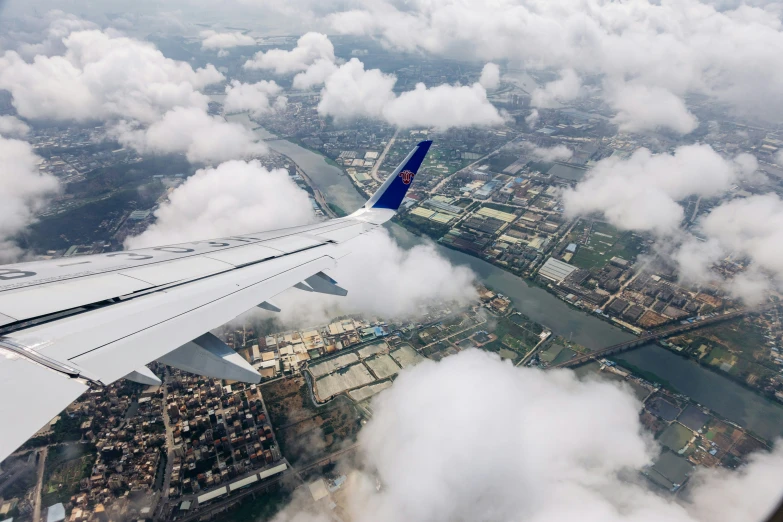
656 336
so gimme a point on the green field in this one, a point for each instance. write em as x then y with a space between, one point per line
498 162
606 242
520 335
741 343
65 466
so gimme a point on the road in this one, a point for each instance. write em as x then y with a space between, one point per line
535 350
655 336
379 161
463 169
39 484
319 197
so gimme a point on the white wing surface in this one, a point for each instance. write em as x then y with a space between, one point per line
68 324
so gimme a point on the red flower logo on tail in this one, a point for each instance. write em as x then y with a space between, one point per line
407 176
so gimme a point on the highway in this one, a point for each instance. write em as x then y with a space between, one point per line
39 484
379 161
655 336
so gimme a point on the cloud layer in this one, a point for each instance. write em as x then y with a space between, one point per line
258 98
350 91
732 53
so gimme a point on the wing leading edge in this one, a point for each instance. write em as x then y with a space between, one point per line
69 323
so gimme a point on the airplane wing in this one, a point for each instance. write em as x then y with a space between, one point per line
69 323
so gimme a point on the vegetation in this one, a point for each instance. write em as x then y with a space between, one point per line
419 225
606 242
498 162
66 466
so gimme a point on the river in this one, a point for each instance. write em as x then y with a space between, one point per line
725 397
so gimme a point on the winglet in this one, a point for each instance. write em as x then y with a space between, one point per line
393 190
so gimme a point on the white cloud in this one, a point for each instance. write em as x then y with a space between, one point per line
382 280
353 92
214 40
556 153
13 127
751 227
309 48
101 77
201 137
442 106
315 74
474 438
641 193
641 108
44 35
25 191
254 97
236 197
733 55
564 89
490 76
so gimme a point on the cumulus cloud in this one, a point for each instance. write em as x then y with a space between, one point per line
25 191
419 442
490 76
749 227
43 35
564 89
641 193
236 197
315 74
443 107
408 280
214 40
101 76
309 48
641 108
258 98
556 153
193 132
13 127
353 92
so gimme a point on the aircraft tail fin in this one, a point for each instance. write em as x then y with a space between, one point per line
393 190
